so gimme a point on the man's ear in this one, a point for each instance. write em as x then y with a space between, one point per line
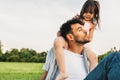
70 37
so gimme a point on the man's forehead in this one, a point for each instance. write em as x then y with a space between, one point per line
74 26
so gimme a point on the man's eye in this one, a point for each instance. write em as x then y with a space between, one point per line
80 29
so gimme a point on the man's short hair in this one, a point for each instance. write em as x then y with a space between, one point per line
66 27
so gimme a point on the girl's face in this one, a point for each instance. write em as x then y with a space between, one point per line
88 16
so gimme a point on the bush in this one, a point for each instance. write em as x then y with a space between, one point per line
42 59
13 58
34 59
22 59
1 57
100 57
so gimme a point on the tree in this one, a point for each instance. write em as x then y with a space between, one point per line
14 51
43 54
1 48
13 58
26 54
1 54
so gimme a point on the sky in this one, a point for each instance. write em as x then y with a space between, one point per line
34 23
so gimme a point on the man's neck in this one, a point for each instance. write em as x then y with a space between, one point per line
76 48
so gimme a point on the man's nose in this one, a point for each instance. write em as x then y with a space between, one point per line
84 31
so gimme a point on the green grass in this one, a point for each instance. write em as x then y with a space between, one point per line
20 71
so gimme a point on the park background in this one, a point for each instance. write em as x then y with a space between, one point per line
34 23
30 26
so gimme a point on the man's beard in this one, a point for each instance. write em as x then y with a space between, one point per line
84 41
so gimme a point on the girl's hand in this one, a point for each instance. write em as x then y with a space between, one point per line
62 77
76 16
58 33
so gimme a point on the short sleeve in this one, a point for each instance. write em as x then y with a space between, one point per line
49 58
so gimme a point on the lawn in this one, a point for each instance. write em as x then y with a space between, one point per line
20 71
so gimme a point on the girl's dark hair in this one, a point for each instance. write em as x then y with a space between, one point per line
66 27
91 6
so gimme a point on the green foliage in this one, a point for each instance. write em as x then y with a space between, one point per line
1 57
14 51
100 57
42 59
43 54
23 55
34 59
1 48
13 58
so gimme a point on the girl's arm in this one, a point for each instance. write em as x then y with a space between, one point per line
59 44
91 32
92 57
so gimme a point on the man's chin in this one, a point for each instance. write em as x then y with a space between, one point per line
86 42
83 42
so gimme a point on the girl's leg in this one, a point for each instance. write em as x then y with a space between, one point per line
59 54
92 57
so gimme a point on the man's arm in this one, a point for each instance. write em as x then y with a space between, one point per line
46 65
43 77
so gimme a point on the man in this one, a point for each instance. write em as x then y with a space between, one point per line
75 59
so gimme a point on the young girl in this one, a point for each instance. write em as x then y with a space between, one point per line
90 15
